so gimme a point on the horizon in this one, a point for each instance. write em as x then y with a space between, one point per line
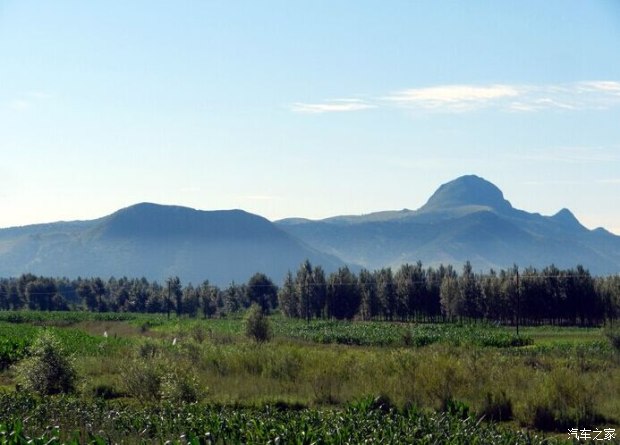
310 110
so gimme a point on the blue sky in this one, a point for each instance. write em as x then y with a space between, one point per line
309 108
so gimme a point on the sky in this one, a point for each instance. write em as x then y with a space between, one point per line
307 108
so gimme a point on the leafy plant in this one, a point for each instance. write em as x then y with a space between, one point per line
48 369
257 325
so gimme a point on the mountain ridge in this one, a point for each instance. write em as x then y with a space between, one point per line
467 219
157 241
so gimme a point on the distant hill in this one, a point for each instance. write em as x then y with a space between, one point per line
465 219
156 242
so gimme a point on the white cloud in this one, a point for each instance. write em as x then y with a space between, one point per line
567 97
506 97
453 97
333 106
602 86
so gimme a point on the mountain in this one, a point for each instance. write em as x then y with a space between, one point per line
465 219
156 242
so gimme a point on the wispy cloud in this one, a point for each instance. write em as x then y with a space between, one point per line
332 106
523 98
506 97
454 98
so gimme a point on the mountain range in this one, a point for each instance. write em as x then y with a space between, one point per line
467 219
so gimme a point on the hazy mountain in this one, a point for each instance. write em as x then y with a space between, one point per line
156 242
465 219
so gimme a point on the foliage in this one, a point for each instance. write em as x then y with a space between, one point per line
180 385
385 334
566 376
12 349
142 379
47 370
76 421
257 326
410 293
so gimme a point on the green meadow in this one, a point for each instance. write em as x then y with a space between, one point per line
146 378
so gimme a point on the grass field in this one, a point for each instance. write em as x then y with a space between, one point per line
198 376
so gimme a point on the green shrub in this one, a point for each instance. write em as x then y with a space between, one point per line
48 369
257 325
141 379
180 386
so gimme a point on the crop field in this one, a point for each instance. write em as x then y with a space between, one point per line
147 378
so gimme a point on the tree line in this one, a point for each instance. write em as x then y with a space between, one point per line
410 293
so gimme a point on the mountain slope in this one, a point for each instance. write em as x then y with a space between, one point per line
156 242
465 219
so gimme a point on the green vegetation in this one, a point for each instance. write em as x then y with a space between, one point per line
150 378
410 294
365 421
257 326
48 369
403 334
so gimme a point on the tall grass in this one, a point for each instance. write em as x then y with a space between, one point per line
460 369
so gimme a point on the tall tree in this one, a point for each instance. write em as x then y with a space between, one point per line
343 297
286 297
450 297
319 291
262 291
471 293
386 292
208 299
369 304
174 295
304 286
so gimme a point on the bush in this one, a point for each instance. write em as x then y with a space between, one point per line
180 386
48 369
257 325
142 379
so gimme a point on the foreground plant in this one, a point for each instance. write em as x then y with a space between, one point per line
48 369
